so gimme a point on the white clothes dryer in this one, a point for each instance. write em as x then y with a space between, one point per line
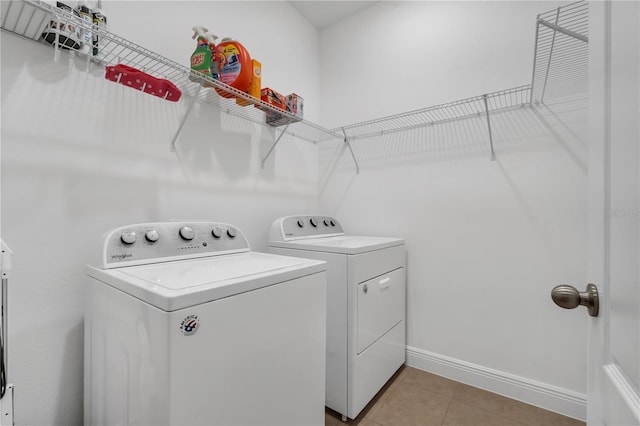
365 305
185 325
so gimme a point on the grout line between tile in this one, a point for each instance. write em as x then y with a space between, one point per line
446 413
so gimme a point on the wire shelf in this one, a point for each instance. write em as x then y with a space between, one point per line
29 18
560 68
561 55
456 110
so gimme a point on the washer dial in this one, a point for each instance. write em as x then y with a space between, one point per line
187 233
128 237
216 232
152 236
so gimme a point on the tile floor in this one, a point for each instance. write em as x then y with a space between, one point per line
417 398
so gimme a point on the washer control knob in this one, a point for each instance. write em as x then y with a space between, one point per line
152 236
187 233
332 222
128 237
326 222
314 222
300 223
232 232
216 232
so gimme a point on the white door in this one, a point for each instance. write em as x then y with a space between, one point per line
614 212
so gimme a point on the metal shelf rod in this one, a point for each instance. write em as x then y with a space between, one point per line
563 30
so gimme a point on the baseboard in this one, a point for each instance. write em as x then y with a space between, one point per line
543 395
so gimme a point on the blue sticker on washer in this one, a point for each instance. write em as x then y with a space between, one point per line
190 325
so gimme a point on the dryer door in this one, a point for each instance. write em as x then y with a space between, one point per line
380 306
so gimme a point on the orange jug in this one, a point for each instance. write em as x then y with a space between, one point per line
235 66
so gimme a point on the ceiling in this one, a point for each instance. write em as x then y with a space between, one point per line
323 14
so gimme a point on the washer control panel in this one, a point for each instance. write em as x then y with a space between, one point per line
164 241
297 227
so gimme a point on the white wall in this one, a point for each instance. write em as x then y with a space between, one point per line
82 155
486 240
400 56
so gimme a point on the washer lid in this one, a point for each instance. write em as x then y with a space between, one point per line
340 244
183 283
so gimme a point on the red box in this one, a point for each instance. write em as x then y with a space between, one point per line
274 98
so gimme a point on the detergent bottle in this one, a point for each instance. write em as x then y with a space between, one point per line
236 68
201 57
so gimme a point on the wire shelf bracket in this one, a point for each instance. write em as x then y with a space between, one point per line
346 141
486 109
192 101
264 160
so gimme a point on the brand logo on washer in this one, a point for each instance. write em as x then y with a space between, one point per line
190 325
122 256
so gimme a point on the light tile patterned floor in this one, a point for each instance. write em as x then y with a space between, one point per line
417 398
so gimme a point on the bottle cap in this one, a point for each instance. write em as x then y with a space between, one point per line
199 31
211 38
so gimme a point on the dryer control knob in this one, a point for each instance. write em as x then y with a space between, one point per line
187 233
333 223
326 222
216 232
314 222
152 236
232 232
300 223
128 237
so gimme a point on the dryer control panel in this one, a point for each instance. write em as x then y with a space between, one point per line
165 241
298 227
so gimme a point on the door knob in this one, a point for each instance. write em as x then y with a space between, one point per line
568 297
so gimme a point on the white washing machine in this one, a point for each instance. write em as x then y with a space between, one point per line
365 305
186 326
